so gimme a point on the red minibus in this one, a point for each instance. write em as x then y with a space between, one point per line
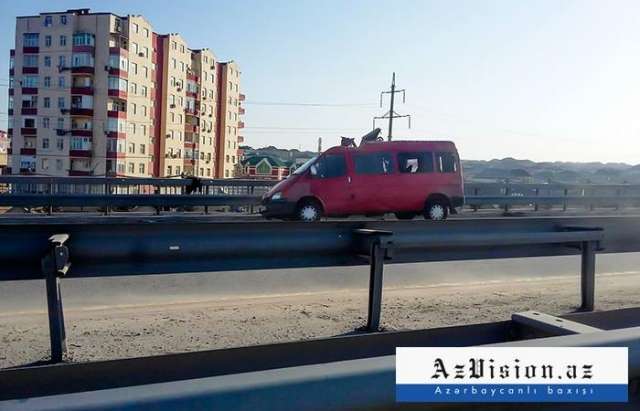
402 177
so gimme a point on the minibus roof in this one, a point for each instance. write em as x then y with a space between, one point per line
399 145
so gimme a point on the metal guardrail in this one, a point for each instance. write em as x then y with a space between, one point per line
73 247
107 192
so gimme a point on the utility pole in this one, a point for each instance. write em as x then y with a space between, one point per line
391 114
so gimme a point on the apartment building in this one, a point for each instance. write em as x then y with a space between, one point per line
101 94
230 113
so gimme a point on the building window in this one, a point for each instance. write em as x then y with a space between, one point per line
47 101
30 39
226 173
134 67
63 19
58 164
62 61
63 40
121 168
142 149
45 143
174 63
30 60
145 70
143 129
47 61
47 41
133 88
60 123
47 82
133 108
135 27
61 103
143 91
45 121
60 144
82 60
30 81
131 167
84 39
45 163
61 82
132 148
227 158
141 168
146 32
48 21
168 170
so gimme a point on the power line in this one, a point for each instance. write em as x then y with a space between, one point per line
282 103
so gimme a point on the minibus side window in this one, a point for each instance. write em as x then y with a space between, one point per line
415 162
329 166
375 163
446 162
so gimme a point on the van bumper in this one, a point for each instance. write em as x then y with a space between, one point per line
278 208
457 202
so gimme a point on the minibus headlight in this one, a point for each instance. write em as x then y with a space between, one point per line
276 196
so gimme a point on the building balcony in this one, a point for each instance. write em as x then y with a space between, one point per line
28 131
9 151
80 153
116 134
29 90
190 128
81 132
242 97
29 111
192 94
192 76
240 124
11 91
10 131
117 114
85 91
83 49
115 155
192 111
12 72
83 70
121 94
29 70
10 112
118 51
28 151
240 139
115 71
80 111
79 173
30 50
241 110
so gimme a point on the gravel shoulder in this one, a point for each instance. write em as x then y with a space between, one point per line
120 331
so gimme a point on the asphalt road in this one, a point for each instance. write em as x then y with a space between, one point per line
28 296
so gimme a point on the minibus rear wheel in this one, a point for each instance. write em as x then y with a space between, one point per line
436 210
309 211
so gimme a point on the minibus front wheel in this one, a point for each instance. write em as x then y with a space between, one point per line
309 211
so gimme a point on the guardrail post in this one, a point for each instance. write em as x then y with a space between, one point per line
564 204
55 264
618 194
588 276
507 193
535 206
475 193
377 248
375 286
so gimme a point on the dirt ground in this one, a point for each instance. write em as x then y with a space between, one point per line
109 332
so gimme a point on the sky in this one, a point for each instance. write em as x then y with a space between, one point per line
543 80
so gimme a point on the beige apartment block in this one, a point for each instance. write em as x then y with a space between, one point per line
101 94
229 120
